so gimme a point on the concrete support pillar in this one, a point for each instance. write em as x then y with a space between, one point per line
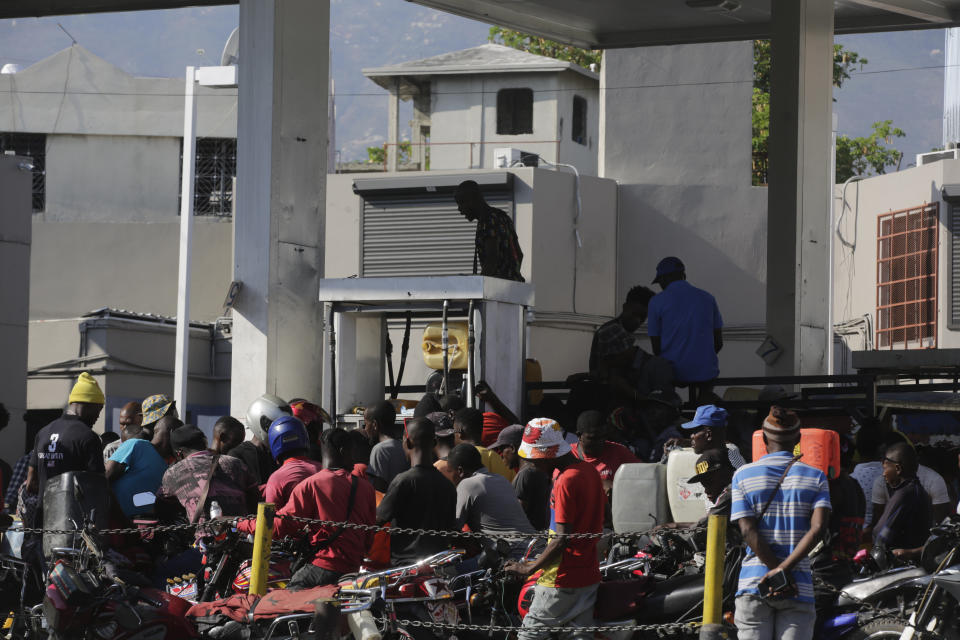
281 180
799 176
393 127
16 183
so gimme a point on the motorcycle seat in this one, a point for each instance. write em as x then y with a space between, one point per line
671 599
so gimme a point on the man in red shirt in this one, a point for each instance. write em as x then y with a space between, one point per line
290 447
594 448
567 589
335 495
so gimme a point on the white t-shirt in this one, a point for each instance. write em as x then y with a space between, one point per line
930 480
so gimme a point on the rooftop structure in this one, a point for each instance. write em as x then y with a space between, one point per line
468 103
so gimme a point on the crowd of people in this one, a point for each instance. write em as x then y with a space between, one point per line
458 468
449 467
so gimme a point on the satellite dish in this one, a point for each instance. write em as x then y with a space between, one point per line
231 50
9 69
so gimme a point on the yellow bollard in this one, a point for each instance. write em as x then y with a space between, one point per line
713 573
261 549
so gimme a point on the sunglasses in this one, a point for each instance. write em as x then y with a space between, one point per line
891 461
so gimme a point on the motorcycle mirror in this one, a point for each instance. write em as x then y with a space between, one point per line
880 556
127 617
144 499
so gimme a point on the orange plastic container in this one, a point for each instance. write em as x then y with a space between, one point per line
820 449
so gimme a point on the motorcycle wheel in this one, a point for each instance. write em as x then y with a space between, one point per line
879 629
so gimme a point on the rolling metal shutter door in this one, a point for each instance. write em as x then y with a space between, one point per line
419 234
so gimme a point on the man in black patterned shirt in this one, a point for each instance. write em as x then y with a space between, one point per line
497 251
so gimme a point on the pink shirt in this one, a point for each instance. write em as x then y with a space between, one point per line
289 475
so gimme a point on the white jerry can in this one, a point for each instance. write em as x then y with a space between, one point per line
686 499
640 497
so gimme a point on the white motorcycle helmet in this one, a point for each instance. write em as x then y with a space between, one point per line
263 411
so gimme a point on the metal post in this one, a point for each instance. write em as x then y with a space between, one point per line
713 576
332 336
445 344
181 372
471 342
262 538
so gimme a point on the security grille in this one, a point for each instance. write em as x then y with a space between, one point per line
420 234
907 277
213 179
31 145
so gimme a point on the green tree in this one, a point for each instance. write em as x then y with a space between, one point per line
378 155
543 47
856 156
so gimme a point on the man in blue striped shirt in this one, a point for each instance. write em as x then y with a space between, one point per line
779 535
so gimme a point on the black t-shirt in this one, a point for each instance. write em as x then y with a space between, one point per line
66 444
258 460
419 498
906 519
533 491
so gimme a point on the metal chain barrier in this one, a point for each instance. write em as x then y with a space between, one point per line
683 627
476 535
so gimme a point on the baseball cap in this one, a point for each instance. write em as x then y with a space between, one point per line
710 461
542 439
668 265
707 415
442 423
155 407
510 436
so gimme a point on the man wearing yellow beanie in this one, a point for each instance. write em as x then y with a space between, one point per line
69 443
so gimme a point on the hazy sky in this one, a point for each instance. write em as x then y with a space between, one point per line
903 80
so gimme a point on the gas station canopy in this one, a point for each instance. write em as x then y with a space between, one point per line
603 23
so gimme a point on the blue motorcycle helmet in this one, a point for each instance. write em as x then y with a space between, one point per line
286 435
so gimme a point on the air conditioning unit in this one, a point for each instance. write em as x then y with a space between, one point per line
937 156
506 157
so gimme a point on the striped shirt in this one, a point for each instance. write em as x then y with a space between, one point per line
787 519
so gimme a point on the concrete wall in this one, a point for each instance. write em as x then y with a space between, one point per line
675 133
15 238
464 110
112 178
76 267
855 268
545 209
131 360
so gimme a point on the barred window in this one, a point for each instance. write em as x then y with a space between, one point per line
31 145
907 277
213 179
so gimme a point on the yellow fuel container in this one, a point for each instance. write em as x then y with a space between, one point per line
433 345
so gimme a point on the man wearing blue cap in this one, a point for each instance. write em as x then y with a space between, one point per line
708 430
685 327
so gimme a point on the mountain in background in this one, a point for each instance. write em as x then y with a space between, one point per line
902 82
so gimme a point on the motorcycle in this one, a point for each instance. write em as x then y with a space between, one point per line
87 595
661 584
419 592
226 567
936 611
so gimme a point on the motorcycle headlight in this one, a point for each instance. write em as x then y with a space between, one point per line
107 630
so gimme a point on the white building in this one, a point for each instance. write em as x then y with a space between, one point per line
106 151
468 103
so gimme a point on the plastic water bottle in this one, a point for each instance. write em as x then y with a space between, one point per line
215 510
